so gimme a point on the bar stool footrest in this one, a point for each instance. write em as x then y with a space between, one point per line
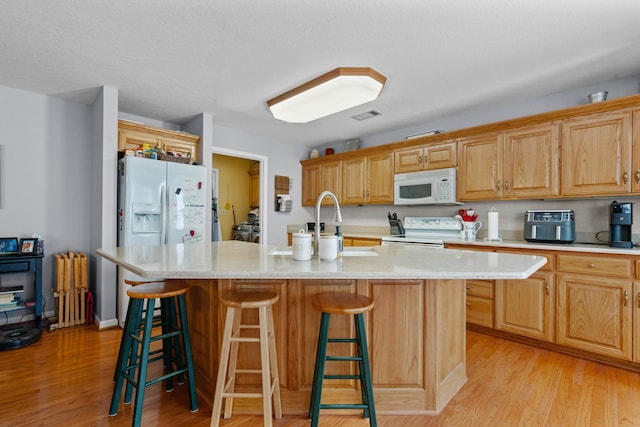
341 377
343 358
343 406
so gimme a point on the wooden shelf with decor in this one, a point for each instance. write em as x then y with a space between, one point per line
132 135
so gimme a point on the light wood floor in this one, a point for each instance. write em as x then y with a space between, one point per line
65 379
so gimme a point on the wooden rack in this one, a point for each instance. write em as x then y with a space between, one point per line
71 289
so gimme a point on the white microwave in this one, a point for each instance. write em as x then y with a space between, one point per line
433 187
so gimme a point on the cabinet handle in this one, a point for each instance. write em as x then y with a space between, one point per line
626 298
592 265
498 185
625 177
506 186
638 176
420 159
638 299
367 193
468 304
547 288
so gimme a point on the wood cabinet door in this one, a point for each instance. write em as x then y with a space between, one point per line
596 155
635 154
526 307
441 155
408 160
636 322
480 171
594 314
254 190
379 188
531 162
331 180
354 181
310 184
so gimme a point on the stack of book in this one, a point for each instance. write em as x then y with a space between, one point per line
9 298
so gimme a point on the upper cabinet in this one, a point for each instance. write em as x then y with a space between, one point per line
480 171
590 150
427 157
368 179
133 135
321 176
254 185
635 158
520 163
531 161
596 155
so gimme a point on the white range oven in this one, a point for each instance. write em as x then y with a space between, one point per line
426 231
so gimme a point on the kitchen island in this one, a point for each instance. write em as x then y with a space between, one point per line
416 331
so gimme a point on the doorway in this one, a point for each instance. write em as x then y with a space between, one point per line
241 194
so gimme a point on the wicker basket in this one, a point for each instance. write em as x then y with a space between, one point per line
170 158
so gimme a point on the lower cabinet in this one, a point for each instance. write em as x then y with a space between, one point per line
594 314
526 307
480 302
589 302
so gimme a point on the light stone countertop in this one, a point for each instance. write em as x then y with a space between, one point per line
244 260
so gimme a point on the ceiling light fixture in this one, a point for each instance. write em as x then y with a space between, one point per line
335 91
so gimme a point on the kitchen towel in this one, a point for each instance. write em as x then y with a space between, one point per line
493 232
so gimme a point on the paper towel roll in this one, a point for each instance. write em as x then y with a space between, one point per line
493 231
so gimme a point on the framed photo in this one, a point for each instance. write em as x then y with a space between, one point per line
28 246
8 245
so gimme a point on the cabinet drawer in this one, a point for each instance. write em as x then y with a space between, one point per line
480 288
480 311
600 265
14 267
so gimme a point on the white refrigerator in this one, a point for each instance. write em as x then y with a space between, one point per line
158 202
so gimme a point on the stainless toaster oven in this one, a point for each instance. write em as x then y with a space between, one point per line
551 226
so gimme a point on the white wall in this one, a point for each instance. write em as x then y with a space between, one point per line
45 169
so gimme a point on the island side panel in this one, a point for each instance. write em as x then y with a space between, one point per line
203 315
445 344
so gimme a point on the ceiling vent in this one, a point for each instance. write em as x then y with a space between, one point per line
366 115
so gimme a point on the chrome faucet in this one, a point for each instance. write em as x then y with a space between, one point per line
338 217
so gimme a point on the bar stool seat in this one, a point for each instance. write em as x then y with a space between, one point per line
236 301
342 304
135 353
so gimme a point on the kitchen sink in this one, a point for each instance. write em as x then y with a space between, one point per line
348 251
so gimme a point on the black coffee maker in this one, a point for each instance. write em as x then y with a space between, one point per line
620 221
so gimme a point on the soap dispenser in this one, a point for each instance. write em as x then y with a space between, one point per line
340 242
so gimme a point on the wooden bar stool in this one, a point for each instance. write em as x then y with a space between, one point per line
135 353
232 337
349 304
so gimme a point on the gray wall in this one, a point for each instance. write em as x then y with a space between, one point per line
45 170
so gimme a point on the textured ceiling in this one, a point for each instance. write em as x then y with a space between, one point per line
171 60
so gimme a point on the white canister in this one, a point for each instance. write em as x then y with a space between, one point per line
328 248
470 229
302 247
